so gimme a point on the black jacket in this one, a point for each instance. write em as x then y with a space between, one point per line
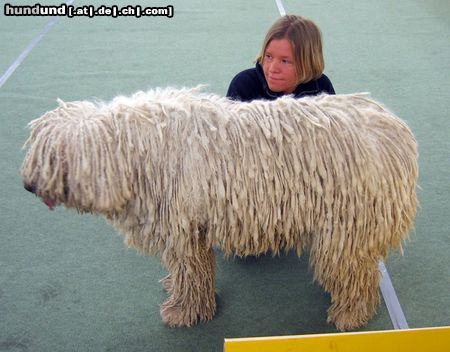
251 85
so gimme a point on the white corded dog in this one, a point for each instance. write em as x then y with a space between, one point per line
179 172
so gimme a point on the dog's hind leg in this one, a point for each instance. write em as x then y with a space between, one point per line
190 284
353 282
355 295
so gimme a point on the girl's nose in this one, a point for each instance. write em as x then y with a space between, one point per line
274 66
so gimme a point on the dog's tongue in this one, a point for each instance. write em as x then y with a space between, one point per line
50 203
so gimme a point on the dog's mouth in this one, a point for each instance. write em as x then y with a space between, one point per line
50 203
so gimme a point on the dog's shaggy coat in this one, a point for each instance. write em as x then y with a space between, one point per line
179 172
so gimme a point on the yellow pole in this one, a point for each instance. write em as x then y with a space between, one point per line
409 340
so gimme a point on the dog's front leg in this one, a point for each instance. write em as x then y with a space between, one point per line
190 284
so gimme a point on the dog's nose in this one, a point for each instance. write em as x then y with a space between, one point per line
29 188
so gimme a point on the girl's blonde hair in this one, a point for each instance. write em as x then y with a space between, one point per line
306 40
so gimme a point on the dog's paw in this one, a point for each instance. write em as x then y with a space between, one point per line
174 316
348 319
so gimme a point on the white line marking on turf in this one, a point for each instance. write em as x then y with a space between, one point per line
281 9
30 47
390 298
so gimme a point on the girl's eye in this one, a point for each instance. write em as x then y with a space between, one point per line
268 56
287 62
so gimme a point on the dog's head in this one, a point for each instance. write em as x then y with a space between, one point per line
73 158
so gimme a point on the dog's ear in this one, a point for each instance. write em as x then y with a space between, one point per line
98 173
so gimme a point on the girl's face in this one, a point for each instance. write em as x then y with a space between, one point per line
279 67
